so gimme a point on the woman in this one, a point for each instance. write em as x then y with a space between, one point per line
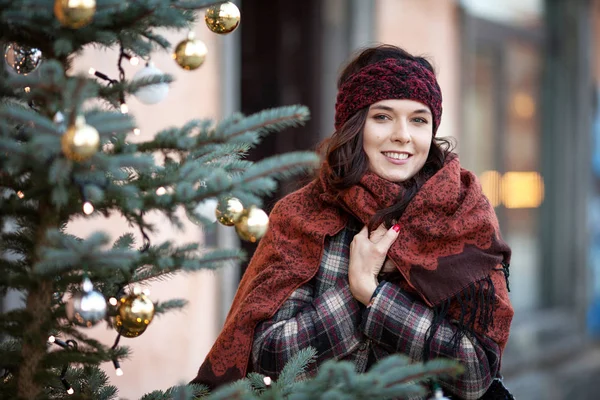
393 248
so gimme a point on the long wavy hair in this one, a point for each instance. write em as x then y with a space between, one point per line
345 159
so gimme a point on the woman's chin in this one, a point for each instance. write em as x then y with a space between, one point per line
398 177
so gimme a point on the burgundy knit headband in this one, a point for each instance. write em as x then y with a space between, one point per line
389 79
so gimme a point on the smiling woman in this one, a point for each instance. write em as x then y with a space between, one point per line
393 248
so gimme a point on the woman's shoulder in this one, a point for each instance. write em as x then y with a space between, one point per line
309 209
305 198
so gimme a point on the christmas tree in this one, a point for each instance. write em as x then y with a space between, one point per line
64 153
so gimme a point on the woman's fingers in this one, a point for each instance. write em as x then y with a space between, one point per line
364 232
378 233
367 256
388 238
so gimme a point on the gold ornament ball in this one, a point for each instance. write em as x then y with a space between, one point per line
74 14
134 314
80 141
222 18
252 225
229 210
190 53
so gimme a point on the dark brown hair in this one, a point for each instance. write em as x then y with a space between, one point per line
346 161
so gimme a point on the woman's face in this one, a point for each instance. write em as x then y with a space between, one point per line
397 137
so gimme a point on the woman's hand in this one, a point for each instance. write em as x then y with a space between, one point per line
367 255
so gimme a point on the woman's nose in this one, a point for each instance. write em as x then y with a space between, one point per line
401 132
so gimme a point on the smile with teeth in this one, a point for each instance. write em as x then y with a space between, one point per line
397 156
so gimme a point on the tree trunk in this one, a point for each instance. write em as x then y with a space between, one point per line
39 301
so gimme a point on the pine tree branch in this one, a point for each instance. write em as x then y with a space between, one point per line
62 253
280 166
160 267
294 368
31 120
250 129
264 122
194 4
240 389
180 392
424 375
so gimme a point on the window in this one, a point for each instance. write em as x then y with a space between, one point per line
501 139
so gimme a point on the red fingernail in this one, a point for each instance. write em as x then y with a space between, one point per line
396 227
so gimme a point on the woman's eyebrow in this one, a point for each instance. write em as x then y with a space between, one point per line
422 111
381 107
388 108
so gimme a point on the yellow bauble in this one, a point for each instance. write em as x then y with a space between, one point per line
252 224
74 13
134 314
229 210
190 53
80 141
222 18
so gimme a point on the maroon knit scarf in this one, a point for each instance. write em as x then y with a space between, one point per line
449 252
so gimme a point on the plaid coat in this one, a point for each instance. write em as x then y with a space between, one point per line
324 314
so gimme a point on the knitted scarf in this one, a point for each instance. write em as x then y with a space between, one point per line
447 252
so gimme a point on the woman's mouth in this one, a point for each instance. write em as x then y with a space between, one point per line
397 158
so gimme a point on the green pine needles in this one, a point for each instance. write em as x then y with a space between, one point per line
395 377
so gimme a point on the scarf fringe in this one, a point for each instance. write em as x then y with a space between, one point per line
506 272
477 304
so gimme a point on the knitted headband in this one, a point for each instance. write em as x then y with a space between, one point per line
389 79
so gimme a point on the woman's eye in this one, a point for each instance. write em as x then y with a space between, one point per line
381 117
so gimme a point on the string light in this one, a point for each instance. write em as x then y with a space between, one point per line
65 383
136 131
161 191
20 194
100 75
67 386
54 340
27 89
118 370
133 60
113 301
88 208
122 54
267 380
123 107
63 373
